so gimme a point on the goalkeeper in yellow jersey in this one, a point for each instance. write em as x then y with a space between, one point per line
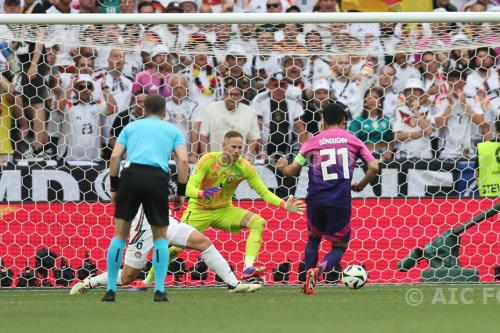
211 187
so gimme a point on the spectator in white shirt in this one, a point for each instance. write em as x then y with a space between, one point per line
81 126
119 84
293 67
317 67
482 87
349 88
404 69
205 86
184 113
455 117
121 90
226 115
386 80
413 126
432 75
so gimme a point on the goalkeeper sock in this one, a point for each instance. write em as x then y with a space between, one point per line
160 263
311 252
102 279
173 251
332 258
115 252
216 262
254 241
150 277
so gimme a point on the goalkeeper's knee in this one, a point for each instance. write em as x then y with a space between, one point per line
256 224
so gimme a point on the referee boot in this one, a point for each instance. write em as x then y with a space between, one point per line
160 297
109 296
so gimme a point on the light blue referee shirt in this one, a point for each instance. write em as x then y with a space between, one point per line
150 141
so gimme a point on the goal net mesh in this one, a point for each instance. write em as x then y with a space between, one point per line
421 96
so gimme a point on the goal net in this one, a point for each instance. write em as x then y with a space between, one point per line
422 96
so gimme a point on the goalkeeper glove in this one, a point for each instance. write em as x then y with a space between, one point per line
294 206
209 192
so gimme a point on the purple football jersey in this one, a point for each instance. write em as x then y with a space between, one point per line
332 156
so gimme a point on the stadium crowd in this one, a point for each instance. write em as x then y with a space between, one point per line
267 81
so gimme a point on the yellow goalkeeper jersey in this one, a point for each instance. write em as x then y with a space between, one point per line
211 172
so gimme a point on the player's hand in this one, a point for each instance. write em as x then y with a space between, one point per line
282 163
295 206
178 202
113 197
358 187
209 192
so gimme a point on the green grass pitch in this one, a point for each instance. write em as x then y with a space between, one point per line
271 309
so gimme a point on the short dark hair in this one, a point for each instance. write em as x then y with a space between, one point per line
334 114
154 104
456 74
13 3
233 134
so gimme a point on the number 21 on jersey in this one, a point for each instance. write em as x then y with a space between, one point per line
332 160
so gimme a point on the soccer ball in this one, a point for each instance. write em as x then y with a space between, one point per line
354 276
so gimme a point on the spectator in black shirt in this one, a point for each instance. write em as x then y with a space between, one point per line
312 113
31 85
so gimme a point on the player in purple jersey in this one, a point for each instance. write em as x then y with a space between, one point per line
331 156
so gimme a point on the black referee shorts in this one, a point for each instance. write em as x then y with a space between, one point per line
146 185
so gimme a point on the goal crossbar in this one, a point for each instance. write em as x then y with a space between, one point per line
259 18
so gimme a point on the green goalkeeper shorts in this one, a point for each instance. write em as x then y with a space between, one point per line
226 218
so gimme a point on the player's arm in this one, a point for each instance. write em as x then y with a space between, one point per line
182 174
370 174
114 168
182 164
291 169
372 171
201 169
294 206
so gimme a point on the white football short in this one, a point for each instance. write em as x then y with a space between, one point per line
141 239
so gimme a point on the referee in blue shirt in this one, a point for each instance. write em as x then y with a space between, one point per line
148 144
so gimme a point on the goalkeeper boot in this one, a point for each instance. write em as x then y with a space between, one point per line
109 296
253 273
81 287
309 287
244 288
160 297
